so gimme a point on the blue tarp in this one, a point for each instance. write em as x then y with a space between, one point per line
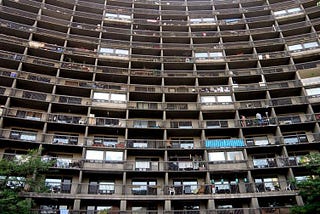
224 143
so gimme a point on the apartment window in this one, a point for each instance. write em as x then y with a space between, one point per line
106 50
207 55
234 156
144 187
64 139
109 97
216 99
108 142
226 156
22 135
216 156
313 91
113 51
114 156
202 20
101 187
282 13
94 155
294 139
57 185
143 164
185 187
267 184
307 45
257 141
118 16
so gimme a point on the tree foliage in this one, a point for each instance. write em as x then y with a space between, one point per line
310 188
20 175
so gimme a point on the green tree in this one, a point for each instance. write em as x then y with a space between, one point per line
310 188
19 175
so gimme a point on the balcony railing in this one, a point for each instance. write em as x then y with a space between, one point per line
62 139
144 144
31 95
67 119
171 211
25 114
36 77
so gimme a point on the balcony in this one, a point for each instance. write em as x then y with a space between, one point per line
103 142
216 124
72 100
144 144
181 106
36 77
145 105
67 119
41 61
62 139
77 66
249 87
145 89
26 114
153 124
217 106
4 91
113 104
181 89
264 163
99 165
62 163
182 124
10 56
20 135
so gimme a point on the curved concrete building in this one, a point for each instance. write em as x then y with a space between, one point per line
154 106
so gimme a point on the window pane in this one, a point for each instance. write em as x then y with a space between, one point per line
111 15
201 55
310 45
94 155
216 156
208 99
100 96
313 91
124 17
222 99
235 155
215 54
122 52
195 20
114 156
118 97
208 20
295 47
294 10
106 50
279 13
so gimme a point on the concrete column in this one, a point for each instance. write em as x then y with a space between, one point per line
76 204
299 200
255 205
211 204
167 205
123 205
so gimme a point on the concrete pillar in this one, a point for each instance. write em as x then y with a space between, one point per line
255 205
123 205
299 200
167 205
76 205
211 204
